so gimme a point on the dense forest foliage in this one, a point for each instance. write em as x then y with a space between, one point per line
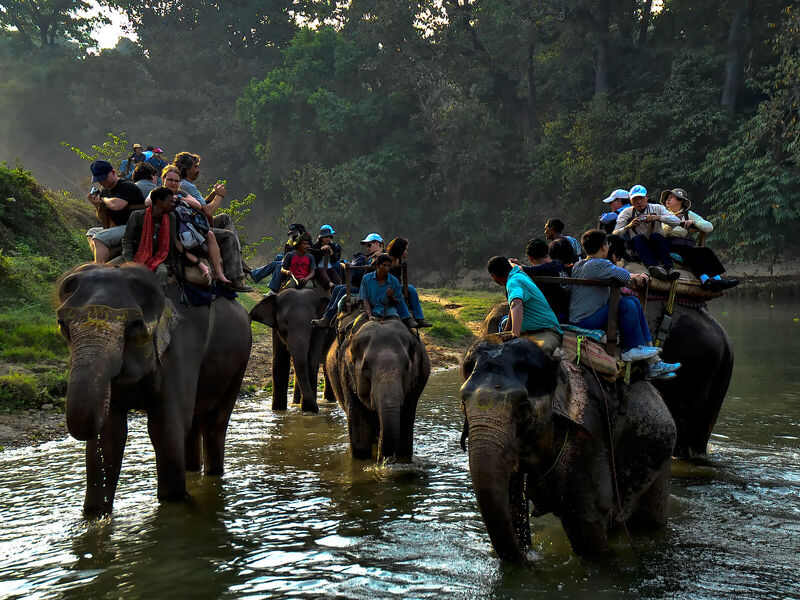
461 124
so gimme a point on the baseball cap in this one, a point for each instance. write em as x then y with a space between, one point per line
617 195
326 230
637 190
372 237
137 145
100 170
157 150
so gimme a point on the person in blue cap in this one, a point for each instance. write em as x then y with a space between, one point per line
113 204
325 250
652 248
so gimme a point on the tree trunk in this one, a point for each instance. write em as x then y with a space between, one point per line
647 11
601 58
737 46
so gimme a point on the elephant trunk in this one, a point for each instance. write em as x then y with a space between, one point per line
492 460
299 346
95 358
387 398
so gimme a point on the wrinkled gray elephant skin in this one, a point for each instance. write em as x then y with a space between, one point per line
289 314
695 395
377 375
532 437
135 346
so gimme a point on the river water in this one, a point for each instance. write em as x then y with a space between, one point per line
295 516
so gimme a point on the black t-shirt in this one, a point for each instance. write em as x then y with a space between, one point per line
128 191
556 295
319 255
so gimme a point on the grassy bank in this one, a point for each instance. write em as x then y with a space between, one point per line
39 239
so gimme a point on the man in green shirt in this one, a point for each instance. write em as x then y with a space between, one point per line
530 314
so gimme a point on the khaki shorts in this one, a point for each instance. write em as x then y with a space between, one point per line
547 339
111 236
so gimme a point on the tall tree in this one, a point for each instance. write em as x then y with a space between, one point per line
738 42
47 23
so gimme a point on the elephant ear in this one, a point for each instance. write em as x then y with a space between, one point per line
265 311
160 330
572 400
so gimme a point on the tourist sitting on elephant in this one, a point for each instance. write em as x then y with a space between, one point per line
274 268
561 250
652 248
299 265
113 205
382 294
589 305
554 230
151 238
530 314
326 250
700 260
398 250
373 246
617 201
222 225
172 180
557 295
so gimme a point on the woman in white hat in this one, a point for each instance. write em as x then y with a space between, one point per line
700 260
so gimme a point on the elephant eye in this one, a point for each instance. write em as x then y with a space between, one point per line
62 326
137 331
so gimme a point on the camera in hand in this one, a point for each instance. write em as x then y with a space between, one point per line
94 191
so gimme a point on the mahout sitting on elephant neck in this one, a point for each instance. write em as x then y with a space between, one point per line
532 438
127 352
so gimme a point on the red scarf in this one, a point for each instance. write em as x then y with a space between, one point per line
144 255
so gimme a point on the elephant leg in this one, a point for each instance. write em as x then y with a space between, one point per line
167 433
280 372
653 506
104 461
328 393
587 538
361 427
194 447
216 429
408 413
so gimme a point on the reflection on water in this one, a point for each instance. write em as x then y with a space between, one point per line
295 516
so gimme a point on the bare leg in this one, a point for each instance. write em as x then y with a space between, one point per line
101 252
215 257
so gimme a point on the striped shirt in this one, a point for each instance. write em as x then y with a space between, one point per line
586 300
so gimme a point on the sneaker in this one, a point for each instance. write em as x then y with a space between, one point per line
322 323
664 376
658 272
239 285
673 274
424 323
639 353
646 348
662 368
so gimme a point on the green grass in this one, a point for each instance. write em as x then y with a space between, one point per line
259 329
473 306
446 327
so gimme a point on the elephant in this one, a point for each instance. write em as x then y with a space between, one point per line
289 314
377 371
135 346
695 396
538 433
